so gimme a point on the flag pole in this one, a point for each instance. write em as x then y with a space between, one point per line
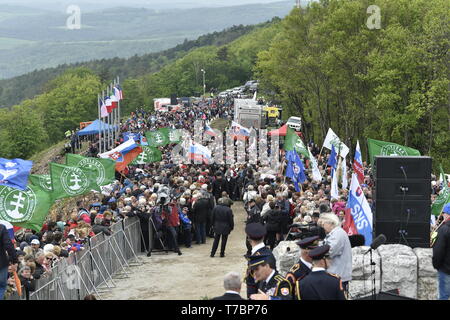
115 116
108 120
99 118
102 141
118 109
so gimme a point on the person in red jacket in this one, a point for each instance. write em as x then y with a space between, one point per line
171 223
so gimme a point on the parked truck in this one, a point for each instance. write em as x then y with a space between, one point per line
248 113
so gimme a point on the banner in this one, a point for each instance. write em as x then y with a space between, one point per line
360 210
333 140
14 173
123 154
442 199
316 176
159 138
26 209
68 181
383 148
131 135
148 155
104 168
43 181
295 169
293 142
174 135
357 166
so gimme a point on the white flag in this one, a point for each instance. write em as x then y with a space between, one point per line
334 186
344 175
333 139
254 96
316 176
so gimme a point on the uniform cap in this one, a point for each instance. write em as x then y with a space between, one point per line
255 230
258 259
319 253
308 243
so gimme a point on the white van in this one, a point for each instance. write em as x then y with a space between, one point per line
295 123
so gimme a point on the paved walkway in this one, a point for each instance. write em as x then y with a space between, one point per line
193 275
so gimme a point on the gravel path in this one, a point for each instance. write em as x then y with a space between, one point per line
193 275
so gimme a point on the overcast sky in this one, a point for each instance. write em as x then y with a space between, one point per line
61 5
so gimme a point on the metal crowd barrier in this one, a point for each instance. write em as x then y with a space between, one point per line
91 271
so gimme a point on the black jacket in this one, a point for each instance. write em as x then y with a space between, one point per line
253 214
98 228
272 220
441 249
319 285
222 219
218 187
6 246
228 296
201 209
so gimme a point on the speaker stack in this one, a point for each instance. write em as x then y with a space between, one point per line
403 200
173 99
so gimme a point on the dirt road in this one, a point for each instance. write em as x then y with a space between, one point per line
193 275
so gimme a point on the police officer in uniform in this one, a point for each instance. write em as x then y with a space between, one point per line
319 284
271 285
255 236
304 265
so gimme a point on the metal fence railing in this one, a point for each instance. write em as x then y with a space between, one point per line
91 270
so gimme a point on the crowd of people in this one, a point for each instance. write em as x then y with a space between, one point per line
188 202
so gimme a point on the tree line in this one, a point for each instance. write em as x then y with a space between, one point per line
390 83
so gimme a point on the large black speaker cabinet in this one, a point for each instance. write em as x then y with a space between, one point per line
402 200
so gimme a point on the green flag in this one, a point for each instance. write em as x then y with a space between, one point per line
442 199
382 148
293 142
148 155
158 138
41 180
174 135
71 181
26 209
105 169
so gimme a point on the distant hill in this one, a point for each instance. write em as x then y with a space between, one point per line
31 40
13 91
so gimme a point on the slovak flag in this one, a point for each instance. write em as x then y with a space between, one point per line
118 92
123 154
360 210
358 167
209 131
9 228
108 104
239 132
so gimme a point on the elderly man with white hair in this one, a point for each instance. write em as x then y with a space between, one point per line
340 248
232 285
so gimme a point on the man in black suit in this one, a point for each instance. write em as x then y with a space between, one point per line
219 186
232 285
222 220
7 256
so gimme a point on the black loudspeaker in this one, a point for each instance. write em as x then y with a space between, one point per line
173 99
402 197
390 167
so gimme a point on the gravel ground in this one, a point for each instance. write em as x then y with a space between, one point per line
193 275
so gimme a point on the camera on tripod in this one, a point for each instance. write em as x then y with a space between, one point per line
298 231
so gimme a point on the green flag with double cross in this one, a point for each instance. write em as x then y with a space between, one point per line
443 197
174 135
293 142
383 148
26 209
70 181
158 138
105 169
148 155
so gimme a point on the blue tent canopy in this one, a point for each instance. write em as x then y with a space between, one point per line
95 127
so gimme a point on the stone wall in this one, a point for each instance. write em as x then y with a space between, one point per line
396 267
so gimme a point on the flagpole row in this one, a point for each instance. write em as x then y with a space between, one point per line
99 115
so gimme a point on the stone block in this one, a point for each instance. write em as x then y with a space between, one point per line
425 263
361 263
287 253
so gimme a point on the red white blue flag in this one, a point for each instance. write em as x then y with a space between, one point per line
358 167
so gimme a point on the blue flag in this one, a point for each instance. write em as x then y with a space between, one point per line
131 135
295 169
332 161
14 173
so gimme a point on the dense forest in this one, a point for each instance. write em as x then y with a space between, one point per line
322 62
